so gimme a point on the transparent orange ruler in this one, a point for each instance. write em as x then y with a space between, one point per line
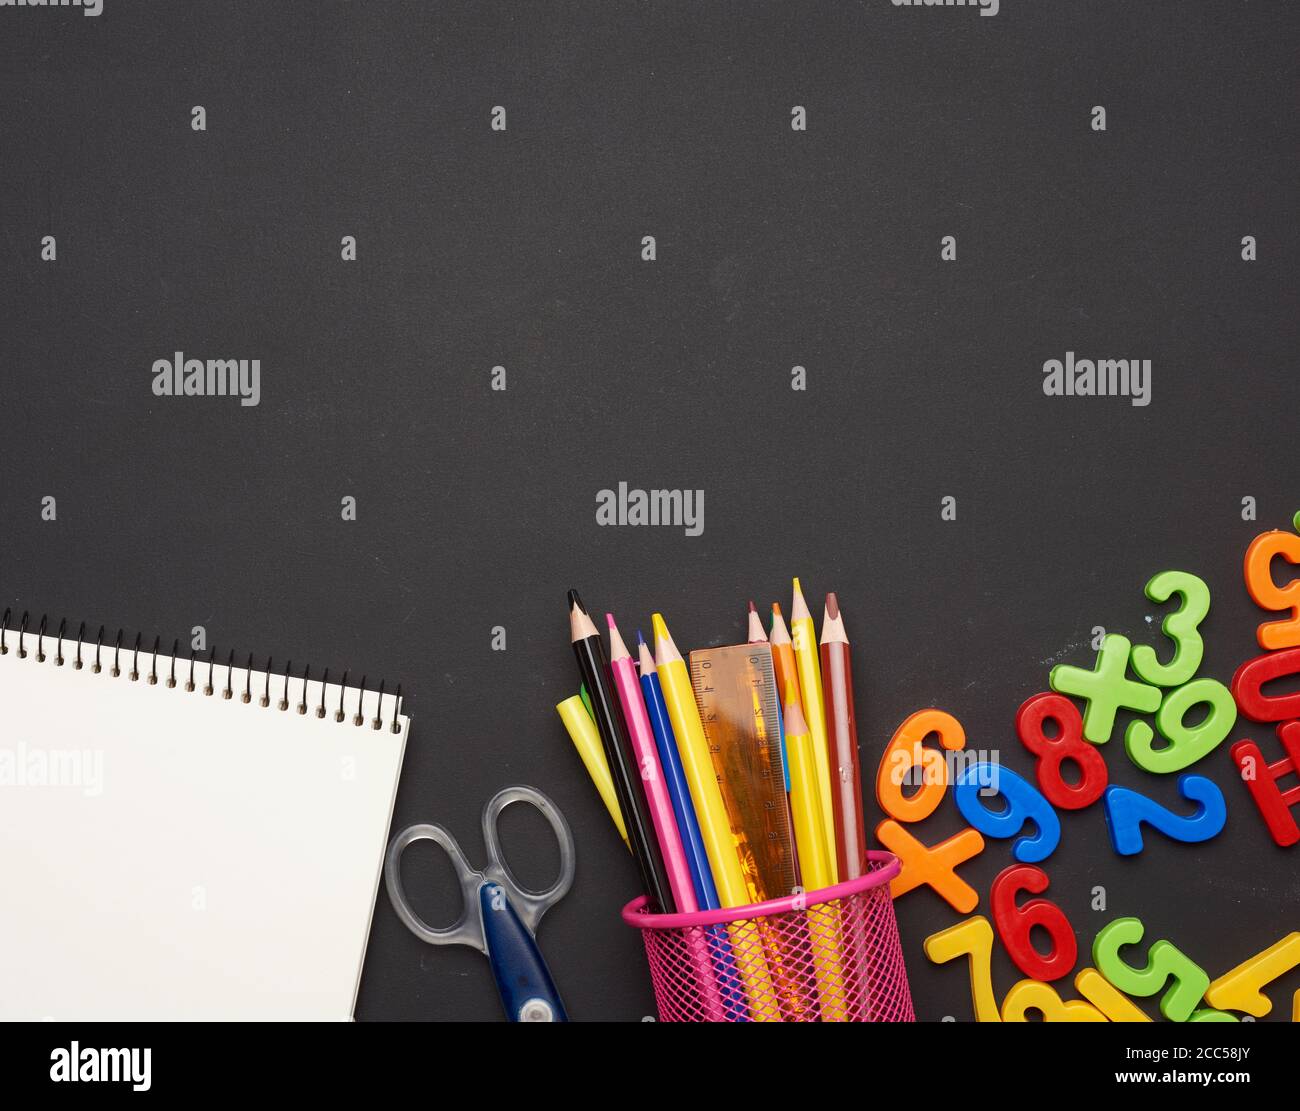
735 689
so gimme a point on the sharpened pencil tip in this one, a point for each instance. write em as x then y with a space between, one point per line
798 605
576 601
657 624
776 608
640 640
752 608
617 645
832 605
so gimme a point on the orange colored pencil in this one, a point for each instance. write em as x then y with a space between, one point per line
787 672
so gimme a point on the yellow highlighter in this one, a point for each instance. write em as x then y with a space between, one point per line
582 732
720 843
804 635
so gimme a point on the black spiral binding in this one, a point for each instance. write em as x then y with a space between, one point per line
248 695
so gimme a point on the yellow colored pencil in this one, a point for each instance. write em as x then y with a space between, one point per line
701 778
811 845
805 798
715 827
804 636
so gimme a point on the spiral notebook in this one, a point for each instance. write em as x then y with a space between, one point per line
185 839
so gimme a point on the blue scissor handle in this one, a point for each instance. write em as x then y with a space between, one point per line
524 982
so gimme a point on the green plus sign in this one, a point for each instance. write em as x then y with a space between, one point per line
1105 688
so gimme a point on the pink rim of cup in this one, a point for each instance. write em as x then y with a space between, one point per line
888 866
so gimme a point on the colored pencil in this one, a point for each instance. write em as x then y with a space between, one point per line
810 843
805 797
582 732
688 827
660 802
842 738
787 672
701 778
658 799
592 665
757 636
715 827
804 637
706 895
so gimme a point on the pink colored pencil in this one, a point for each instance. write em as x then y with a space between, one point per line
662 816
656 793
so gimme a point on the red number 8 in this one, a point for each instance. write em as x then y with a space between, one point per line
1068 744
1016 923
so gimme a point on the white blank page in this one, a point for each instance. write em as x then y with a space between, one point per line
226 862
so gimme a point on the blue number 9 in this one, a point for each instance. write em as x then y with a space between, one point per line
1025 803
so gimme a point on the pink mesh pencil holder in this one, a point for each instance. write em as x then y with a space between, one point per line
824 956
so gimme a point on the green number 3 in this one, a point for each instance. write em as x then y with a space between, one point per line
1179 626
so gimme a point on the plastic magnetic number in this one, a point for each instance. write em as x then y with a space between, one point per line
1247 686
1015 925
905 755
1273 635
971 938
1181 627
1052 752
1165 962
1031 995
1126 810
1108 999
1240 989
1261 780
1105 688
935 867
1025 803
1187 743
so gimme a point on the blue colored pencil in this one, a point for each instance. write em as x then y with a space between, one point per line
675 780
689 829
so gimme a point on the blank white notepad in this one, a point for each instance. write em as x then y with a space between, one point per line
171 854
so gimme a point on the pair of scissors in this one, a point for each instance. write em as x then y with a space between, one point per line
499 917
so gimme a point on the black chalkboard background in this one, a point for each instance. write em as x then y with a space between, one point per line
775 248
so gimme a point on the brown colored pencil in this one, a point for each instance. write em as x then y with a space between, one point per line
842 743
756 634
